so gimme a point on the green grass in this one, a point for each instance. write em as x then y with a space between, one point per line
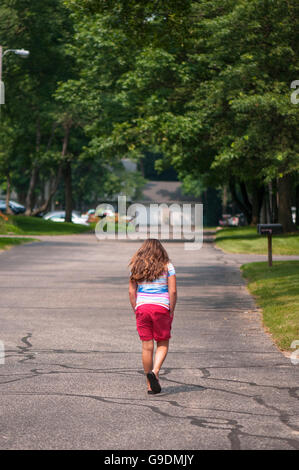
6 243
247 240
276 290
21 225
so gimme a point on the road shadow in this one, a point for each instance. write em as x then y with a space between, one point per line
174 389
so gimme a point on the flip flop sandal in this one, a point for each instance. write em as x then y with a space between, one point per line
154 382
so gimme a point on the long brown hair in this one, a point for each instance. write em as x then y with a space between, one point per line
149 262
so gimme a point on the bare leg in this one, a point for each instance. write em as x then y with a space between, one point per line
161 353
147 358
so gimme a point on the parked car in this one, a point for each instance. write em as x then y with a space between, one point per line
229 220
293 209
105 213
90 216
59 216
224 220
14 206
93 216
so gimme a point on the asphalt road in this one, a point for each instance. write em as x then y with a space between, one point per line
73 378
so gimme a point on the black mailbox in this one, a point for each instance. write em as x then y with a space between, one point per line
269 229
265 229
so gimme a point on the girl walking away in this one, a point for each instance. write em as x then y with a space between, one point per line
152 292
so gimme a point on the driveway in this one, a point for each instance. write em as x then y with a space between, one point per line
73 378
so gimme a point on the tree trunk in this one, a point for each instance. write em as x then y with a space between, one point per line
265 217
30 192
237 201
59 173
257 202
67 172
47 189
67 126
247 203
34 174
8 188
285 203
52 200
273 201
48 192
68 191
263 212
65 141
268 207
224 199
53 190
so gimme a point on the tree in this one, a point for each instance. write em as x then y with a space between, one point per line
204 84
30 86
90 97
213 98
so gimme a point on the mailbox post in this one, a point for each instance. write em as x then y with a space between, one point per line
269 230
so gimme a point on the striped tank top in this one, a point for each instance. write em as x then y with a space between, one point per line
155 292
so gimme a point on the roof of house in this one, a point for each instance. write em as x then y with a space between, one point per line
165 191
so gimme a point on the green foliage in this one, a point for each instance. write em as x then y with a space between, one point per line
63 83
30 110
206 85
193 186
212 94
6 142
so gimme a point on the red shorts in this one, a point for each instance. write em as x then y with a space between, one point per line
153 322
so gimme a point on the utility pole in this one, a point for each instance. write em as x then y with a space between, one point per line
22 53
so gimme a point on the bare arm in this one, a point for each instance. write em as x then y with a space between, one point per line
132 293
172 293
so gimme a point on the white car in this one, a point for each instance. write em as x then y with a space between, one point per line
104 212
87 214
59 216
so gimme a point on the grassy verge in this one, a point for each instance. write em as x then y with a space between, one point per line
6 243
276 291
247 240
23 225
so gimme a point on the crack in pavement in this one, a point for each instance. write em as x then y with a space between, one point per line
214 423
232 427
